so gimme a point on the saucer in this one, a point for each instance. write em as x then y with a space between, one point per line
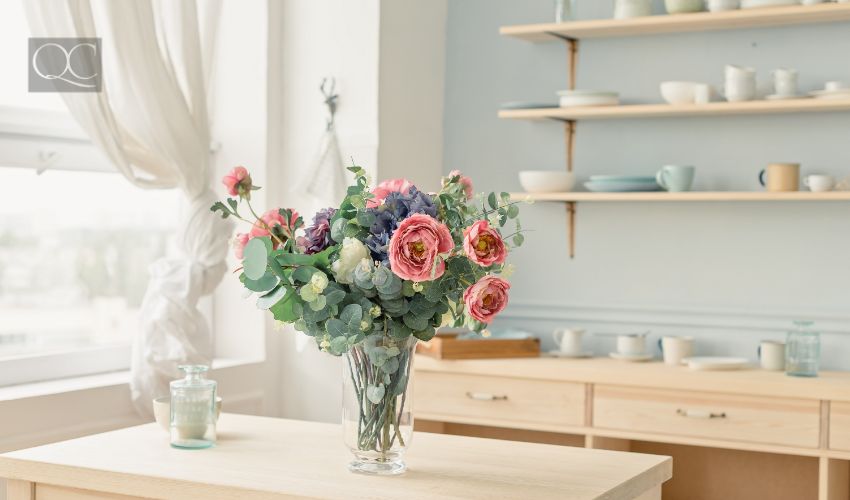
783 97
559 354
831 94
634 358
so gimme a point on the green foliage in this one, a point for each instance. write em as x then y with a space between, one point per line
255 257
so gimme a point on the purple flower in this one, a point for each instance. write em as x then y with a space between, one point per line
396 207
318 236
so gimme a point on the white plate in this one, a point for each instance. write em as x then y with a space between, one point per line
780 97
559 354
754 4
715 363
634 358
572 101
586 92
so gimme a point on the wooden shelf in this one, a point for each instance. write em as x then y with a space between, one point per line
699 21
686 196
668 110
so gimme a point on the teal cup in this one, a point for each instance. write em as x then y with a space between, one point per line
675 178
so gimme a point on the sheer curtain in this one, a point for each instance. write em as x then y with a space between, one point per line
152 120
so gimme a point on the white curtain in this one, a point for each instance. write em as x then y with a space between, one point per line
152 120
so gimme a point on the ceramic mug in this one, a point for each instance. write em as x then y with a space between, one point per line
568 340
785 82
721 5
834 85
772 355
626 9
819 183
781 177
631 344
675 178
675 349
702 93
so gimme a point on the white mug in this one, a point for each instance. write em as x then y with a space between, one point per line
772 355
785 82
733 71
675 349
626 9
569 340
631 344
819 183
721 5
835 85
702 93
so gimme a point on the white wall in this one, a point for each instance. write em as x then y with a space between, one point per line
729 273
388 59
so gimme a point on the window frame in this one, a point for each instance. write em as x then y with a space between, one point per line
46 139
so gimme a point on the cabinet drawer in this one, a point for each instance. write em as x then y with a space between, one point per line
791 422
510 402
839 426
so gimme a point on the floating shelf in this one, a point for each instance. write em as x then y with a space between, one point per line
664 110
679 23
573 197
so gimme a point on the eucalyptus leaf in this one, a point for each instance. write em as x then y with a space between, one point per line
337 228
338 345
491 200
282 311
319 303
415 322
375 393
513 211
391 366
426 334
351 315
334 297
305 273
335 328
255 258
518 239
271 298
267 282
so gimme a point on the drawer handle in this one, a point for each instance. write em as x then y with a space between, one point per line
699 414
485 396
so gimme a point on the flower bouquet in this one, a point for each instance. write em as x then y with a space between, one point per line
370 278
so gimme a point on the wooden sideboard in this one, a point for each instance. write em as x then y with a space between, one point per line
744 434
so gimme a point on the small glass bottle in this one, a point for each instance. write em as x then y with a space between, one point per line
193 409
802 353
565 10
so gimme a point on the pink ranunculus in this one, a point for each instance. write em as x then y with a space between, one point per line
385 188
271 219
237 181
483 244
239 242
486 298
465 181
414 247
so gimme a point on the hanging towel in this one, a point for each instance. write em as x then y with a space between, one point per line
326 178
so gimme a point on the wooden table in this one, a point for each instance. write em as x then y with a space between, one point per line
258 457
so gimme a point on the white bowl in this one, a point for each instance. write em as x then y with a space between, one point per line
546 181
573 98
679 92
162 411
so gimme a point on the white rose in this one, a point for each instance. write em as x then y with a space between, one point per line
352 252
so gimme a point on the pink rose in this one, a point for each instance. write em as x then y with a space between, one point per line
271 219
237 181
239 242
465 181
385 188
414 247
486 298
483 244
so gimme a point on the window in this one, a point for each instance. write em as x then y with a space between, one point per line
76 238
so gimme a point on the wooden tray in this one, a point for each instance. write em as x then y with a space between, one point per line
448 346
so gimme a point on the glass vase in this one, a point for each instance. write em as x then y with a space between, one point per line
377 392
802 350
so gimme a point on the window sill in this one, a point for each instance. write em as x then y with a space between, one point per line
102 380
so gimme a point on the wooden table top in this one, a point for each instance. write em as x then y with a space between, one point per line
834 386
259 457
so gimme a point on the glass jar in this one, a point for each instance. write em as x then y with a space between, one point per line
376 409
193 409
802 351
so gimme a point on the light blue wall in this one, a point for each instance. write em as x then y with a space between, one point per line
729 273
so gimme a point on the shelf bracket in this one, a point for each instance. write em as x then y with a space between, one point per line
569 140
572 59
571 227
